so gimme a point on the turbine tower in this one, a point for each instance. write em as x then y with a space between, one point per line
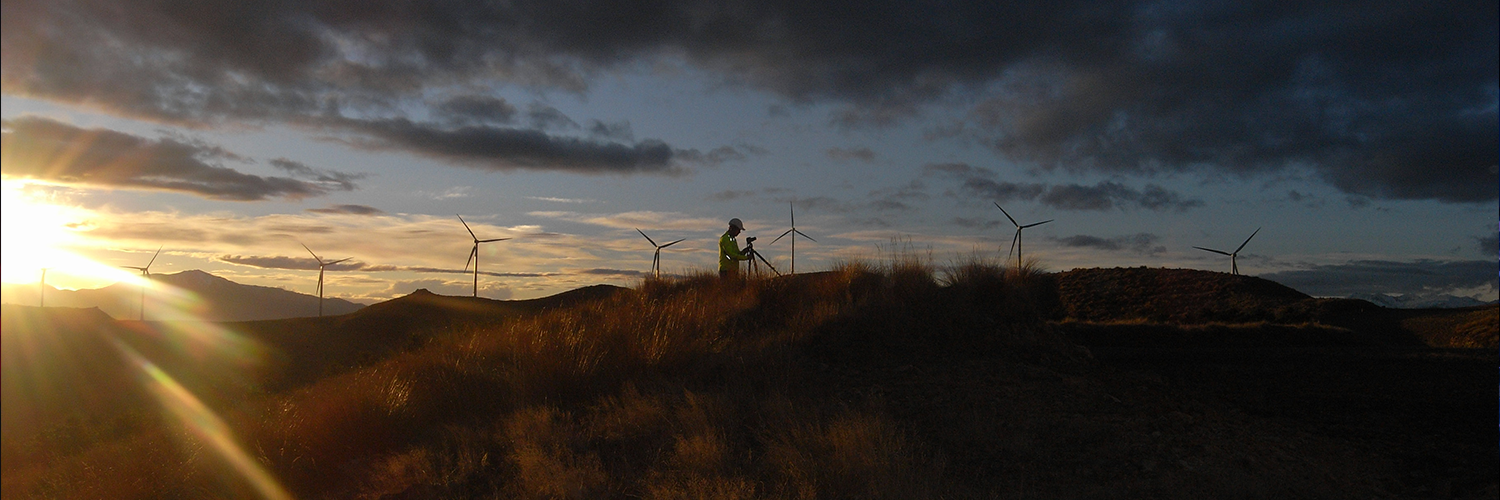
1015 241
656 259
41 290
793 232
146 276
474 253
321 265
1234 265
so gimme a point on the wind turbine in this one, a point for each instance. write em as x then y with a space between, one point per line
1234 266
321 265
41 290
656 259
474 253
146 275
794 232
1015 241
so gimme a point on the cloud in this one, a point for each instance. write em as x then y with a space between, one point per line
713 158
348 210
859 154
503 149
1387 99
446 287
1489 245
619 131
613 272
476 109
1099 197
1142 243
636 219
1103 196
341 181
294 263
543 117
1421 277
39 148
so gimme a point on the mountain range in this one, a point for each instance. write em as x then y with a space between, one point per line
188 295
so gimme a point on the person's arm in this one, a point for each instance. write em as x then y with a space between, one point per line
727 245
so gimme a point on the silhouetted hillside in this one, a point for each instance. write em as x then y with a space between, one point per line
305 349
1172 296
871 381
192 295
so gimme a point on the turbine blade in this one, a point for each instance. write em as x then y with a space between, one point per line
1007 215
778 238
1247 241
804 235
309 250
472 253
1013 244
1037 224
1220 252
158 252
672 243
493 239
338 261
466 227
791 207
648 238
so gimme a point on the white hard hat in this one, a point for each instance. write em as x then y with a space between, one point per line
737 224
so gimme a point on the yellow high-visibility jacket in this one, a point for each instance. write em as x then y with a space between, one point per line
730 254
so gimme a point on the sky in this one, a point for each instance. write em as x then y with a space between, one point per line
1359 139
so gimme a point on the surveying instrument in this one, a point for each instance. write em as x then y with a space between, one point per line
752 265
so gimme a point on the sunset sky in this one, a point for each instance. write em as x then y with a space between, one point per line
1361 138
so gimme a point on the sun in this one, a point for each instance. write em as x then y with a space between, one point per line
37 234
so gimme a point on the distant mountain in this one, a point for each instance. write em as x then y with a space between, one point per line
1412 301
192 295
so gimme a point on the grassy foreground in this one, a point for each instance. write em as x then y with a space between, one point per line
871 381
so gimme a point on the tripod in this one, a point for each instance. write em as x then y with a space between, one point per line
755 268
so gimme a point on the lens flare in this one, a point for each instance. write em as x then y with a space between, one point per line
203 423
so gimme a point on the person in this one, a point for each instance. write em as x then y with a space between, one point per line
730 254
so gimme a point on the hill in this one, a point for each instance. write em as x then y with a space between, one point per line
1192 297
190 295
870 381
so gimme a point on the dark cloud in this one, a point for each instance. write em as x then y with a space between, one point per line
40 148
619 131
1489 245
1387 99
978 223
543 117
291 263
1107 195
713 158
889 205
305 264
1422 277
342 181
1142 243
612 272
732 194
476 108
348 209
962 171
859 154
496 148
